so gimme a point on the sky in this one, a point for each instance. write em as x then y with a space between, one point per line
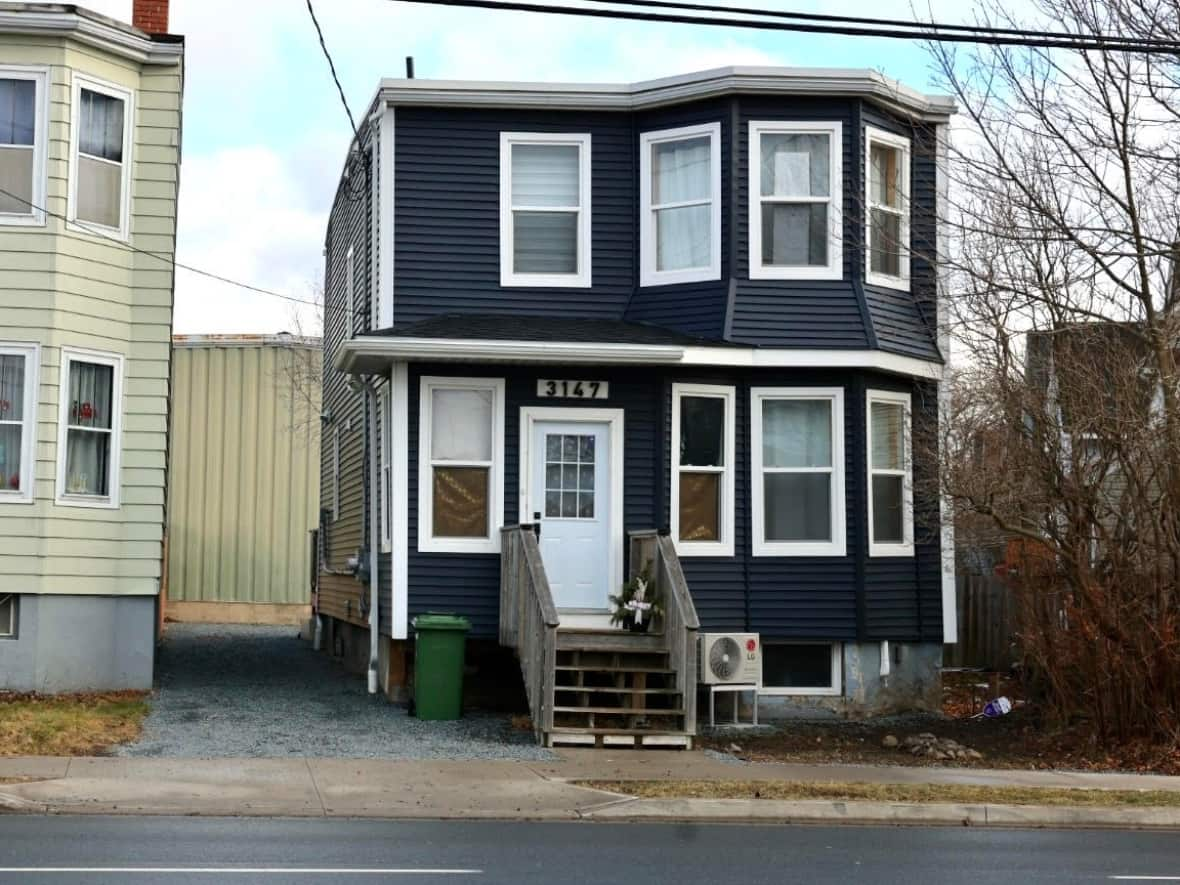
265 134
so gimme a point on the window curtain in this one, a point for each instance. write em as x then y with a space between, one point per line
797 433
795 166
543 176
12 392
18 112
681 172
91 418
101 132
888 436
461 425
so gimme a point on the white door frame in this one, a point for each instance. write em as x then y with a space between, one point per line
613 418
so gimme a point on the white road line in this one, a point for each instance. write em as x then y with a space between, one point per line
255 871
1145 878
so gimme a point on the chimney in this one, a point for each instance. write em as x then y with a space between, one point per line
150 15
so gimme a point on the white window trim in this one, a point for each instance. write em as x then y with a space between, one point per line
28 442
123 231
508 275
834 690
427 543
385 482
335 472
115 361
838 545
349 295
8 631
880 136
723 546
40 77
834 270
906 547
648 274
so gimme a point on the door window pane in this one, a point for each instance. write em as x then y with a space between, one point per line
797 433
798 506
702 427
461 425
569 476
888 501
796 165
700 506
460 503
888 436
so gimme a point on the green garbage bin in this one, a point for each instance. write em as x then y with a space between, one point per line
438 665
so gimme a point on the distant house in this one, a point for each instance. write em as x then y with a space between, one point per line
244 478
89 163
686 328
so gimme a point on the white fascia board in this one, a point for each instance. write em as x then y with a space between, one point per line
96 31
650 94
786 358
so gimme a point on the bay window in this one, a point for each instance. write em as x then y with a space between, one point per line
703 469
88 429
101 153
460 465
891 510
795 193
887 163
797 448
22 145
544 209
18 420
680 205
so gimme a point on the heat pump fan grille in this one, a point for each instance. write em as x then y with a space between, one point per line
725 656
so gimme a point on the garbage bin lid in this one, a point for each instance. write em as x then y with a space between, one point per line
438 621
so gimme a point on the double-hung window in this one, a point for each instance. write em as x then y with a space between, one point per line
22 145
18 420
680 205
88 429
703 469
460 464
891 507
887 189
797 455
795 191
100 190
544 209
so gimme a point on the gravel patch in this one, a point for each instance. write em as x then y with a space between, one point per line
246 691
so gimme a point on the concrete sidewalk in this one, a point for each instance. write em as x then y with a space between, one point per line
529 791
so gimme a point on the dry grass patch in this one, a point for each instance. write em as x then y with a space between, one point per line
956 793
69 725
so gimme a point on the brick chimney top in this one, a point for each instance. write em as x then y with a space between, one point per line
150 15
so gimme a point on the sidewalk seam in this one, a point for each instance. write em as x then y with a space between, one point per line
319 796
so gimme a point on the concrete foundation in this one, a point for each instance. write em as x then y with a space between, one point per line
236 613
80 643
914 683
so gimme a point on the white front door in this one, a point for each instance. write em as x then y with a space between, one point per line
570 487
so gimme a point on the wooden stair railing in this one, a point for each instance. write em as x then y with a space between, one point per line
529 621
653 552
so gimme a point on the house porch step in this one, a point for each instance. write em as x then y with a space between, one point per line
585 639
621 711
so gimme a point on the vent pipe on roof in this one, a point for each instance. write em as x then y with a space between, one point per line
409 67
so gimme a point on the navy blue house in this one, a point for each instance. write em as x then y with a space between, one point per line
706 306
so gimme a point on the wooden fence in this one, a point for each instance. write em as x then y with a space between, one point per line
986 624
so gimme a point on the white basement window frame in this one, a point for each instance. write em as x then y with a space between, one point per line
84 88
24 141
653 208
836 544
783 195
835 686
21 415
385 424
879 466
509 275
8 615
81 419
892 203
433 458
723 543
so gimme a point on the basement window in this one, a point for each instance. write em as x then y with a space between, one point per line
8 616
800 668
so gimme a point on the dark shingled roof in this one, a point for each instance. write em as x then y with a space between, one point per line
533 328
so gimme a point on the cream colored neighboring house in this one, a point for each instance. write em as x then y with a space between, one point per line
90 118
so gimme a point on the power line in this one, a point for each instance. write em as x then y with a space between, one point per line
900 31
332 68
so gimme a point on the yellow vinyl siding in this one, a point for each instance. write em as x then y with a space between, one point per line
62 287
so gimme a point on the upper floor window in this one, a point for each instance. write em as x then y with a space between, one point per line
88 429
888 211
18 420
703 470
544 209
101 152
797 455
795 192
22 145
680 205
891 508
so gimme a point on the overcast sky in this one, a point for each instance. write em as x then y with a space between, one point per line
265 135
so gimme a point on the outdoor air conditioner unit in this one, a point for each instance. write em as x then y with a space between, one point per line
730 658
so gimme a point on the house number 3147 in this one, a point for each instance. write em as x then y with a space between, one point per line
550 389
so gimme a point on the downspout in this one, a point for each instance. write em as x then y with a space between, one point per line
374 540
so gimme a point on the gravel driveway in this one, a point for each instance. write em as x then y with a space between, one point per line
228 690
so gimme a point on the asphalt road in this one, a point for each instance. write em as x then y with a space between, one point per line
142 850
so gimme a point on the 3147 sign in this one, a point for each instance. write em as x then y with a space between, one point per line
551 389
